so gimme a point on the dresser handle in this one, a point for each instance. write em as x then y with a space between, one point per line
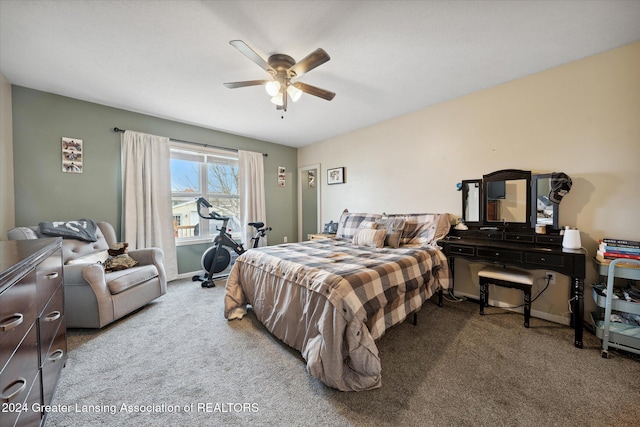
18 318
6 399
53 316
52 276
497 254
543 259
56 355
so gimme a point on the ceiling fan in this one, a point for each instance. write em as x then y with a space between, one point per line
283 69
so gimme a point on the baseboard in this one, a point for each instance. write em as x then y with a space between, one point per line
534 313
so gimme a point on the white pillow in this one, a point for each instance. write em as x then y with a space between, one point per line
370 237
90 259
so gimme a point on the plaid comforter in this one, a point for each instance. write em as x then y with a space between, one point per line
374 288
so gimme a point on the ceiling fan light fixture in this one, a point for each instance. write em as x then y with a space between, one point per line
273 87
278 99
282 68
294 93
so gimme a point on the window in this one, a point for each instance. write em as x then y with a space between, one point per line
203 172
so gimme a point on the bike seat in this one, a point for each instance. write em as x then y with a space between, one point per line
257 224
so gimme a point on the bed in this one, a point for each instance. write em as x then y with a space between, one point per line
331 299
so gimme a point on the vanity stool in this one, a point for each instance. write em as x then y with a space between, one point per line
507 278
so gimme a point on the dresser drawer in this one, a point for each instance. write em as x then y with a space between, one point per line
31 417
490 234
500 254
544 259
549 240
53 363
515 237
49 277
50 321
17 314
19 373
461 250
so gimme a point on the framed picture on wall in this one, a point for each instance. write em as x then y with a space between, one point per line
72 155
335 176
312 179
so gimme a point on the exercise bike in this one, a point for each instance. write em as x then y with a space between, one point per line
217 258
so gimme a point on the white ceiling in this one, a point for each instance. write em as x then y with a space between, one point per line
170 58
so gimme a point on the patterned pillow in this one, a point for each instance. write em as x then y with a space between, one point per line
394 227
350 222
368 224
369 237
119 262
423 229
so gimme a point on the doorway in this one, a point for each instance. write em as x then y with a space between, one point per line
308 201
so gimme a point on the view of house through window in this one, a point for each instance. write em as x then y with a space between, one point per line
209 173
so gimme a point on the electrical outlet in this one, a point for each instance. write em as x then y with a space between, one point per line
552 281
285 239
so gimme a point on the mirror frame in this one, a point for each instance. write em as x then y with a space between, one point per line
507 175
301 171
534 201
465 194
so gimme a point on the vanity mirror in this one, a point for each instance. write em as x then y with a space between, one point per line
472 201
510 199
507 198
544 211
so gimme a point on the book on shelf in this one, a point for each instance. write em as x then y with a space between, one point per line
621 242
618 255
602 260
618 249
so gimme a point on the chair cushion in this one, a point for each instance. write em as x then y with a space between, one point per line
506 275
120 281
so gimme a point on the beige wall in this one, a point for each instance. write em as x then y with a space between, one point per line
582 118
7 205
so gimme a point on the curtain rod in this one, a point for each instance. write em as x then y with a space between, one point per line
116 129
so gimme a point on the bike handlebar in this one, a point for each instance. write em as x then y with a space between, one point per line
202 202
212 215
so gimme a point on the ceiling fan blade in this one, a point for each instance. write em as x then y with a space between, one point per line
315 91
234 85
311 61
252 55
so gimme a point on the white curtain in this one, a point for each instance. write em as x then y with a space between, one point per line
252 200
147 216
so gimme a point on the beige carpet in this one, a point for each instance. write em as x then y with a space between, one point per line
178 362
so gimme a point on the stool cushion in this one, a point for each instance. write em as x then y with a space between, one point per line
507 275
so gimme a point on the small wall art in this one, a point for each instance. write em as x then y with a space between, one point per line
281 176
72 155
312 179
335 176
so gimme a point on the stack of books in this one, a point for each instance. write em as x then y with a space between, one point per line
611 249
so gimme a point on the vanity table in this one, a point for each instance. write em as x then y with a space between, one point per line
509 239
506 249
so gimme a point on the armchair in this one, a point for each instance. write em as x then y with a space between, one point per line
95 298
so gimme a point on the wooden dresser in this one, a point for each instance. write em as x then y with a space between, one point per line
33 341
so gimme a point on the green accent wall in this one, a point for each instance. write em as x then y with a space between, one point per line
44 193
